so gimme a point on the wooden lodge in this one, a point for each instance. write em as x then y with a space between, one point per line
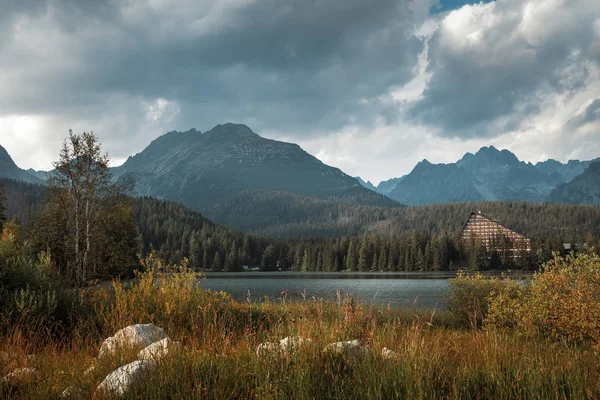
494 236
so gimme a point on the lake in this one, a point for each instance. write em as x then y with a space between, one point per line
407 289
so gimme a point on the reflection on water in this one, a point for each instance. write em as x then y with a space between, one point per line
409 289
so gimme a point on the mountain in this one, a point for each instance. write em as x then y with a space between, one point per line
9 170
386 187
212 172
567 172
490 174
42 175
367 184
436 183
584 189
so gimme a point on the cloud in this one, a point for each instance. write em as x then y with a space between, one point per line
493 64
368 87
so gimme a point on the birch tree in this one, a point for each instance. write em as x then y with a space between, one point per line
78 189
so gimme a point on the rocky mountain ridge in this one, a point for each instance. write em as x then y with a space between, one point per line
490 174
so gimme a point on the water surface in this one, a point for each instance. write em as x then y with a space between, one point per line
407 289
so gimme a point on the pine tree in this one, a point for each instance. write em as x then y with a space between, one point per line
232 261
363 256
351 261
216 264
306 261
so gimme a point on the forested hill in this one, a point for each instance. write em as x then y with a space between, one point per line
409 238
335 219
422 238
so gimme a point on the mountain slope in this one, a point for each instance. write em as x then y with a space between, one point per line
206 170
489 174
9 170
584 189
567 172
436 183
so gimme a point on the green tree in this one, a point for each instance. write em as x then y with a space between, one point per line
216 264
351 261
86 211
269 259
364 256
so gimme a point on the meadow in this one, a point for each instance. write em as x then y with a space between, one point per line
498 339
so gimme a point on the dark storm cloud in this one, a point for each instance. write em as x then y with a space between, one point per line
286 64
589 115
497 62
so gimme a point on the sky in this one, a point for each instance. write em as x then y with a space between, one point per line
369 87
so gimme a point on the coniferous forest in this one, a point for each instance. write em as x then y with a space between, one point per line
423 238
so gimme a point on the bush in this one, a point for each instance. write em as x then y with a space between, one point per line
562 301
469 298
168 296
32 293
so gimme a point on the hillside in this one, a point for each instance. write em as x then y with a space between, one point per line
584 189
210 171
10 170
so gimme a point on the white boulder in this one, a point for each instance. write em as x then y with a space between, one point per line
388 355
134 337
293 343
267 349
284 347
158 350
118 382
352 350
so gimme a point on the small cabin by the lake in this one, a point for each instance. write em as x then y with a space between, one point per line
494 236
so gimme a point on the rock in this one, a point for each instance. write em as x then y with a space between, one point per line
21 376
388 355
293 343
284 347
353 350
118 382
158 350
135 337
267 349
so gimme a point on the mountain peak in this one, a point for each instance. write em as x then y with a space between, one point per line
232 128
8 169
488 150
489 155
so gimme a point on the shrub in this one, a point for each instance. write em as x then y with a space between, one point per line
469 297
31 291
168 296
562 301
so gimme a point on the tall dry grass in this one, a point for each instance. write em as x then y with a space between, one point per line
219 336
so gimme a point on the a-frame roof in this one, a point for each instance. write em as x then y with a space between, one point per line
489 219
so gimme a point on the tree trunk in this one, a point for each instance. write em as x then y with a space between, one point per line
77 261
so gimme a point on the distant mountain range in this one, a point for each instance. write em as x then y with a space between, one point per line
583 189
236 177
489 174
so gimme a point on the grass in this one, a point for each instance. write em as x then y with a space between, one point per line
219 336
